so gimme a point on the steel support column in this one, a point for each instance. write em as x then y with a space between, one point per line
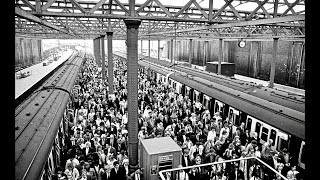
190 52
97 51
171 52
220 55
110 61
206 50
158 49
132 66
103 63
273 62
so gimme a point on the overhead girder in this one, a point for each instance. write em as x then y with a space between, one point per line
89 15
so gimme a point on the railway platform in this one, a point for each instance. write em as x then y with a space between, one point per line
33 74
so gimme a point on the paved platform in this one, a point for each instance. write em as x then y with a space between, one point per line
38 72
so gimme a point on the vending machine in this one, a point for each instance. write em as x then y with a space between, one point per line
158 154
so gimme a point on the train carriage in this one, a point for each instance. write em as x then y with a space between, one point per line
42 124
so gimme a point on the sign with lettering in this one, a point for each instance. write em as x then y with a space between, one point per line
166 158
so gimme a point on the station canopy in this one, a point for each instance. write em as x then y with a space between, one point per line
161 19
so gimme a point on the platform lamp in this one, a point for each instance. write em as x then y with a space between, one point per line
241 43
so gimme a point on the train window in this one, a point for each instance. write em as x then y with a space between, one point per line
205 102
249 122
273 136
264 134
282 144
236 119
216 107
258 126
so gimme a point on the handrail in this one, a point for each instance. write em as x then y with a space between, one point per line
220 162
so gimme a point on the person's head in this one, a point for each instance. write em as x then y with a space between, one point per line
294 167
88 144
231 146
70 166
126 162
87 165
280 166
198 159
212 149
270 142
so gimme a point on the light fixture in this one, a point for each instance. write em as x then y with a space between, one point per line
241 43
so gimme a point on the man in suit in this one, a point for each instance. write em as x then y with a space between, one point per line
245 137
105 172
235 173
114 171
87 150
136 175
186 161
111 150
194 174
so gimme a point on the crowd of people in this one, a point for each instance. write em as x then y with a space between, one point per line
97 146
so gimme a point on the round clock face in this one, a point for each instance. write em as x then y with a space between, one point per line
242 44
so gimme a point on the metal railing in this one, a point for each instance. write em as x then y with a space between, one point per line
246 168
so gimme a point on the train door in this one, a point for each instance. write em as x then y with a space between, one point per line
234 116
183 89
187 92
195 95
302 159
154 77
179 88
282 141
218 107
206 101
268 132
168 79
191 95
253 125
174 85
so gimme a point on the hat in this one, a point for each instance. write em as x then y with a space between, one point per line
180 166
217 113
125 160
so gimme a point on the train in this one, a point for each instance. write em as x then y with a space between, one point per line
271 113
41 123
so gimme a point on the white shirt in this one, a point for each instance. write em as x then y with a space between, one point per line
137 176
211 135
183 175
125 119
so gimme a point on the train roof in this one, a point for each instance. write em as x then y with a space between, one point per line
278 96
37 121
